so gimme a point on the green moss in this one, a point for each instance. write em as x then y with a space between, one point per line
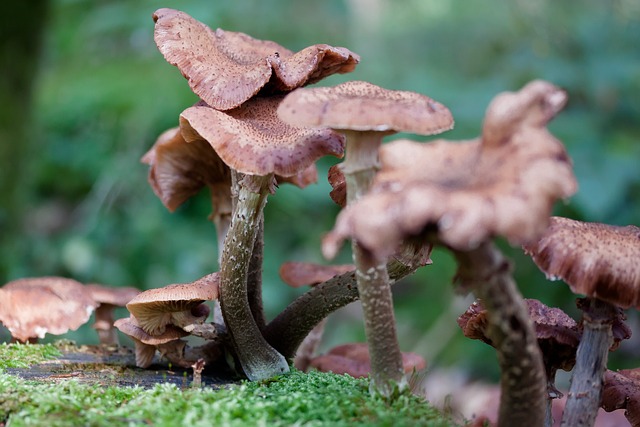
25 355
313 399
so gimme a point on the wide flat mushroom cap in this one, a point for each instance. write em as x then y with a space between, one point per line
152 308
362 106
597 260
225 68
466 192
118 296
32 307
253 140
178 170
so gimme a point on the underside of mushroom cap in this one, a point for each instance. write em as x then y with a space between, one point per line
464 192
33 307
178 170
253 140
362 106
226 68
597 260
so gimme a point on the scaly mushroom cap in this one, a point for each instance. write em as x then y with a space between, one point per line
467 192
33 307
362 106
179 170
597 260
252 140
226 69
153 309
622 391
298 274
353 359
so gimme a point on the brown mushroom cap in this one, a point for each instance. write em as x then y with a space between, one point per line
467 192
252 140
116 296
339 186
597 260
225 68
178 170
298 274
353 359
33 307
153 309
362 106
622 391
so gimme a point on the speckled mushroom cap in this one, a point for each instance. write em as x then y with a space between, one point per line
466 192
362 106
153 309
252 140
33 307
178 170
597 260
353 359
622 391
298 274
225 68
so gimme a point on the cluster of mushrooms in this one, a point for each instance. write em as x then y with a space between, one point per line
257 127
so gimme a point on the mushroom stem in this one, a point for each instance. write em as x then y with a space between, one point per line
254 277
103 324
523 380
387 374
258 359
585 392
221 217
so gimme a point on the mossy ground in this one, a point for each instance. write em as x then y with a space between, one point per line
296 399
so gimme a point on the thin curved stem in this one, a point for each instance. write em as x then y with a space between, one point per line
258 359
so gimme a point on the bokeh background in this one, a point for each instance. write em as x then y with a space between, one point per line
84 93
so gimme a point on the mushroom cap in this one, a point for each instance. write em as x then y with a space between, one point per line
152 308
466 192
252 140
131 327
597 260
622 391
32 307
362 106
178 170
226 68
298 274
118 296
339 186
353 359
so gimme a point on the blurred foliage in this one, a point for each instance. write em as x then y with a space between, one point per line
104 93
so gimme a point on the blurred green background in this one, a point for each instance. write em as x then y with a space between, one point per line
85 92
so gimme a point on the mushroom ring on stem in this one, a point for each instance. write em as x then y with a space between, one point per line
256 145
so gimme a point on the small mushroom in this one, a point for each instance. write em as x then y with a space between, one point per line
298 274
256 145
33 307
353 359
366 113
461 195
108 298
146 344
622 391
226 68
179 305
600 261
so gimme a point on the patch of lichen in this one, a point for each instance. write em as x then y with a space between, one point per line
25 355
314 399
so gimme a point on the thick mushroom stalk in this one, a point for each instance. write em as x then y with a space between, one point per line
258 359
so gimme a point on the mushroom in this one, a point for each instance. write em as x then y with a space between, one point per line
461 195
338 186
622 391
33 307
557 335
108 298
256 145
366 113
226 68
179 305
599 261
298 274
353 359
146 344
